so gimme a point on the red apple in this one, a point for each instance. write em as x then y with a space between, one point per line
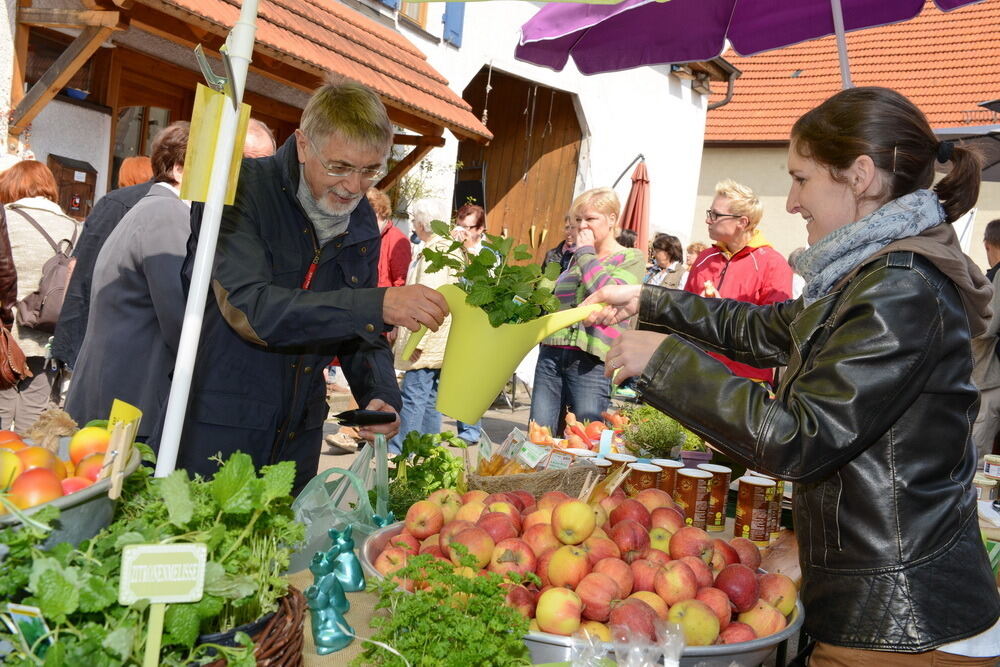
435 551
538 516
726 551
37 457
541 538
748 552
423 519
521 599
390 560
635 615
739 582
719 602
779 590
558 611
506 508
653 498
34 487
476 495
409 543
448 500
644 574
675 582
478 543
631 509
763 618
573 521
498 525
527 500
568 566
599 548
74 484
655 555
550 499
701 571
512 555
448 531
470 511
619 571
654 601
88 440
597 591
670 519
631 538
736 633
691 541
542 565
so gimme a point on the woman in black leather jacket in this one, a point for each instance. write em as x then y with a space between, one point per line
872 418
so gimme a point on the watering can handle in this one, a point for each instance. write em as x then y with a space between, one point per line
413 341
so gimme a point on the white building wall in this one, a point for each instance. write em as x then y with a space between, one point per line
622 114
74 132
6 61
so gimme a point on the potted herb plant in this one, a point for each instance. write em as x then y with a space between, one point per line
653 434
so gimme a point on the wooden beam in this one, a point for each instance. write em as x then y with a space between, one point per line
400 168
57 76
417 140
66 18
20 59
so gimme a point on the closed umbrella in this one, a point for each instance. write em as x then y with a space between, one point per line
636 213
633 33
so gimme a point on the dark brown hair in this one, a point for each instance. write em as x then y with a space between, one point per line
669 244
169 149
895 134
474 210
28 178
992 233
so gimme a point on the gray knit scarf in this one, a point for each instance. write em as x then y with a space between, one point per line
840 251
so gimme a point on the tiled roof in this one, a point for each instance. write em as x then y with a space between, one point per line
945 62
324 34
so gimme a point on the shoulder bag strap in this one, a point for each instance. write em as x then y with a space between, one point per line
34 223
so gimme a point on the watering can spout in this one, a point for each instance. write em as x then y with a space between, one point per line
479 358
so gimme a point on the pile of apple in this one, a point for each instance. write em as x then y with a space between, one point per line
618 562
32 475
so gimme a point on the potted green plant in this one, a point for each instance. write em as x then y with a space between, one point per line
653 434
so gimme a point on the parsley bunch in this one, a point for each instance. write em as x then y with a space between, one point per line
509 293
453 620
423 466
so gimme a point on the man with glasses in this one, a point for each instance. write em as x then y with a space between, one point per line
293 286
740 264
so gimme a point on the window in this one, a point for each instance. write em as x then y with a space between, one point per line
415 12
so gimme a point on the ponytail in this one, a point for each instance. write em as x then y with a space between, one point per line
959 189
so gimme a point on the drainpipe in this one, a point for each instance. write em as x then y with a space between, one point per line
730 85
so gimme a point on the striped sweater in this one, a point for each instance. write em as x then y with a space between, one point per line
585 275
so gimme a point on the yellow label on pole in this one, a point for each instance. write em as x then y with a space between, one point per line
200 156
168 573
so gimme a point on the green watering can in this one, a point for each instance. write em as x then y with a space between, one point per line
479 359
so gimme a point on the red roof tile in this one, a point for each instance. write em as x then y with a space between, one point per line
327 35
945 62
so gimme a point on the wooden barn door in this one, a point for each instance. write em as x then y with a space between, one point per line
530 167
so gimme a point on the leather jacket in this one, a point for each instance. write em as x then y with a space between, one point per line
871 421
8 275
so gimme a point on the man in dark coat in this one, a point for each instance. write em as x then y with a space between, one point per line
294 285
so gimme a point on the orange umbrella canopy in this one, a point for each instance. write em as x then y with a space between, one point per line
636 214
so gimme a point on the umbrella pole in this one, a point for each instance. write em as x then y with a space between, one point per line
638 157
240 42
838 27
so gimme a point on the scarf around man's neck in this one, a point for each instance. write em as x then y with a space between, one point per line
837 253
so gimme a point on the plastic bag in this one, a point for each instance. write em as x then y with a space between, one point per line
336 498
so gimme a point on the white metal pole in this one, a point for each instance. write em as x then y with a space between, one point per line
838 28
240 45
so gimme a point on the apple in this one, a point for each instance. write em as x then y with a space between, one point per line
636 616
90 467
550 499
701 571
88 440
37 457
739 582
74 484
719 602
779 590
748 552
542 565
478 543
558 611
725 550
423 519
512 555
11 440
390 560
34 487
498 525
644 574
595 629
763 618
520 598
691 541
568 566
597 591
631 509
527 500
538 516
698 622
410 544
654 498
476 495
600 532
506 508
736 632
435 551
573 521
470 512
500 497
619 571
609 503
675 582
655 555
448 500
670 519
600 514
654 601
659 538
599 548
10 467
541 538
631 538
449 530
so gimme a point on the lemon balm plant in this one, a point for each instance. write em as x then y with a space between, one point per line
509 293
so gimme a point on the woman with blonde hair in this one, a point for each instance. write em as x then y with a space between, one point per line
570 369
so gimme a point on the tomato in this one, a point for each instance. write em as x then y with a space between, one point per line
37 457
34 487
594 430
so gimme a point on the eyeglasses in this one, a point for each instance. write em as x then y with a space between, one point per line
714 215
340 170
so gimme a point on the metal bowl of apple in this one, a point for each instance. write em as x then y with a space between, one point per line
546 648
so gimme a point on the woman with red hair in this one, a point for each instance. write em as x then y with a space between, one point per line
29 192
134 170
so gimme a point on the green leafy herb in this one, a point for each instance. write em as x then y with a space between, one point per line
509 293
656 435
453 620
423 466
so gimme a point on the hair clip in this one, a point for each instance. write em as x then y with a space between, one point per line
895 150
945 149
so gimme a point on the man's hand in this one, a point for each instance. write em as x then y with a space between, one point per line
630 353
368 432
620 303
413 305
